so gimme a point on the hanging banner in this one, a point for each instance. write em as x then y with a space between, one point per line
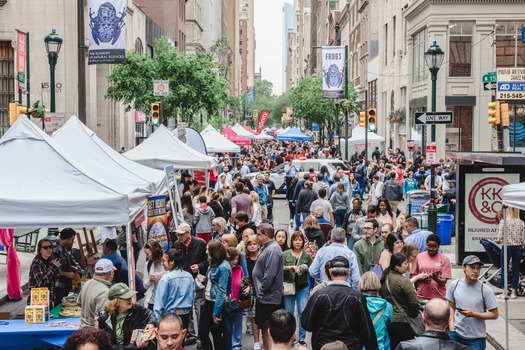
107 39
158 220
333 71
21 72
263 117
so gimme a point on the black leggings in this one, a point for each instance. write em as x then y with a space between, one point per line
398 332
206 325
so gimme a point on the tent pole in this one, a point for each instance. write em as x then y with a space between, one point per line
131 259
506 276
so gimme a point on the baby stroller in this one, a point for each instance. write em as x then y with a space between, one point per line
494 276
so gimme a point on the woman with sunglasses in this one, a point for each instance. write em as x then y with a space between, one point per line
44 268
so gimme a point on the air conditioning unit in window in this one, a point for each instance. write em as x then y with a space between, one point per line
400 53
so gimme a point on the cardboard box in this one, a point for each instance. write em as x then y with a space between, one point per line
36 314
40 296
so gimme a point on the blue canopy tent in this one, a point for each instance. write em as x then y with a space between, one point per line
294 134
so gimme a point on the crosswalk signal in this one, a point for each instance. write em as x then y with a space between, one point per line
372 119
155 113
362 119
14 111
504 112
494 113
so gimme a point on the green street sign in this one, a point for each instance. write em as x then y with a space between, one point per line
490 77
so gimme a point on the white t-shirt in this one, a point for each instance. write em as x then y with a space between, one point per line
476 297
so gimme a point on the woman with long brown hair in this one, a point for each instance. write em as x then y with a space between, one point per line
153 271
44 268
218 286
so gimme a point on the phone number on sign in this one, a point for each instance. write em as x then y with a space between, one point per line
511 95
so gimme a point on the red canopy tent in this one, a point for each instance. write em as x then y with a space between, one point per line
233 137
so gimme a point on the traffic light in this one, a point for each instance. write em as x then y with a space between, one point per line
372 119
504 112
155 113
14 112
494 113
362 119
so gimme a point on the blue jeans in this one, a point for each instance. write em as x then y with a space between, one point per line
233 331
475 344
514 253
301 298
339 215
350 242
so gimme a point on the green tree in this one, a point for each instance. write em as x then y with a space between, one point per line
307 98
195 86
279 108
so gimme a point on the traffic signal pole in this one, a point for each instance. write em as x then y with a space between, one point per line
366 126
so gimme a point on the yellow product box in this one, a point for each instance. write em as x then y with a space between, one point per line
36 314
40 296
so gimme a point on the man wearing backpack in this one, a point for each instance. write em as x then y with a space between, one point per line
393 191
472 303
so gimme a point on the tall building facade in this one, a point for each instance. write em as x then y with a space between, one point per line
298 44
247 44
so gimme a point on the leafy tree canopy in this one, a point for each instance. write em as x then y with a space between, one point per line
195 85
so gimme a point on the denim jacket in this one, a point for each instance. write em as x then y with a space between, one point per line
221 285
175 291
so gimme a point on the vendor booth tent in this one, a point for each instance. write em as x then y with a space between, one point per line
358 137
89 147
242 132
249 130
514 195
294 134
215 142
263 137
161 148
233 137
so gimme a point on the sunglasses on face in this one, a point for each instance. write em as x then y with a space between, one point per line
46 247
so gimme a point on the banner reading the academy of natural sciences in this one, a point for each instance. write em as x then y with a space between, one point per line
333 71
107 39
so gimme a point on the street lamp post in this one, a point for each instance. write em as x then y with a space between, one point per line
434 58
53 44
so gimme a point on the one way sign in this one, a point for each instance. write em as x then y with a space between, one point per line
489 86
427 118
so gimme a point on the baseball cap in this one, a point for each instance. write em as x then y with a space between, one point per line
104 266
471 260
121 291
339 261
183 228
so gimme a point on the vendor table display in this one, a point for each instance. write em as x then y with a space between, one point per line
16 334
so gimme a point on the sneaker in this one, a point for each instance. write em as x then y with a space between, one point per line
249 330
199 345
190 341
291 222
257 346
302 342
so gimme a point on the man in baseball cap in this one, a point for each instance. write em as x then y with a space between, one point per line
94 293
473 303
121 291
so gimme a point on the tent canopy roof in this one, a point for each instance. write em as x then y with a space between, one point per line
233 137
42 186
294 134
215 142
161 148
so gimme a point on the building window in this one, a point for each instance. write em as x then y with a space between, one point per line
460 49
7 83
510 51
394 36
139 48
333 5
419 67
386 44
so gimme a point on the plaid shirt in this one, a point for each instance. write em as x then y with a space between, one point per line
42 275
65 258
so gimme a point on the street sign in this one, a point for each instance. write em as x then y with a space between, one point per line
511 84
489 86
431 150
426 118
490 77
161 87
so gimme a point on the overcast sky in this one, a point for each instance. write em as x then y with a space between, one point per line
269 41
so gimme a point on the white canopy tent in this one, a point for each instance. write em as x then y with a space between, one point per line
358 137
89 147
41 185
514 195
216 142
161 148
193 139
242 132
263 137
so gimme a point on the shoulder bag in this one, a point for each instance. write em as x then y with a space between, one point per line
415 323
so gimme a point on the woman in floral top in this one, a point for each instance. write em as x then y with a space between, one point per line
44 267
515 231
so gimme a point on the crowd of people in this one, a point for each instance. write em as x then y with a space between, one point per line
355 276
